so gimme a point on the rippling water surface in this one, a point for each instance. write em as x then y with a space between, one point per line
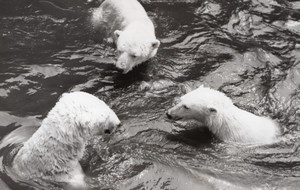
249 49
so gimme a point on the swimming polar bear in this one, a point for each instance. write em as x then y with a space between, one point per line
228 122
52 153
127 23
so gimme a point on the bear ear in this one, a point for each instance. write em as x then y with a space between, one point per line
117 33
155 44
201 86
185 88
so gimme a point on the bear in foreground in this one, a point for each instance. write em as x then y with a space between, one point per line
229 123
127 24
52 153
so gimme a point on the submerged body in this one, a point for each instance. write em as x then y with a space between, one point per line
52 153
228 122
128 25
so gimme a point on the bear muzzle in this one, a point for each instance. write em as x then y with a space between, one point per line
172 117
112 129
123 67
168 116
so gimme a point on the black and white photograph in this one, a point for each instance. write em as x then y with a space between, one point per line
149 94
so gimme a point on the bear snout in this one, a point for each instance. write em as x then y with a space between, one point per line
123 67
120 70
112 127
169 116
173 116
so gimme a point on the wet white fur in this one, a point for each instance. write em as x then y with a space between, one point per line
53 152
127 22
229 123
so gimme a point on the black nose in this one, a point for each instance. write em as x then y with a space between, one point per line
168 116
107 131
119 125
119 70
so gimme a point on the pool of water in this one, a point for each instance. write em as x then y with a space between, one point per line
249 49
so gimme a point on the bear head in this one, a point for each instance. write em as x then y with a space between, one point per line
91 115
134 48
203 104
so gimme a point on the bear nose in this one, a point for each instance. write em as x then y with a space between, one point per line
168 115
119 70
107 131
119 125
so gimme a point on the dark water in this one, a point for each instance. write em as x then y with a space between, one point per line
249 49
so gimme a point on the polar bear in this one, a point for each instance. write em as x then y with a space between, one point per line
128 25
52 153
228 122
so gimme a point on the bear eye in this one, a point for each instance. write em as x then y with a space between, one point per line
212 110
185 107
133 56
